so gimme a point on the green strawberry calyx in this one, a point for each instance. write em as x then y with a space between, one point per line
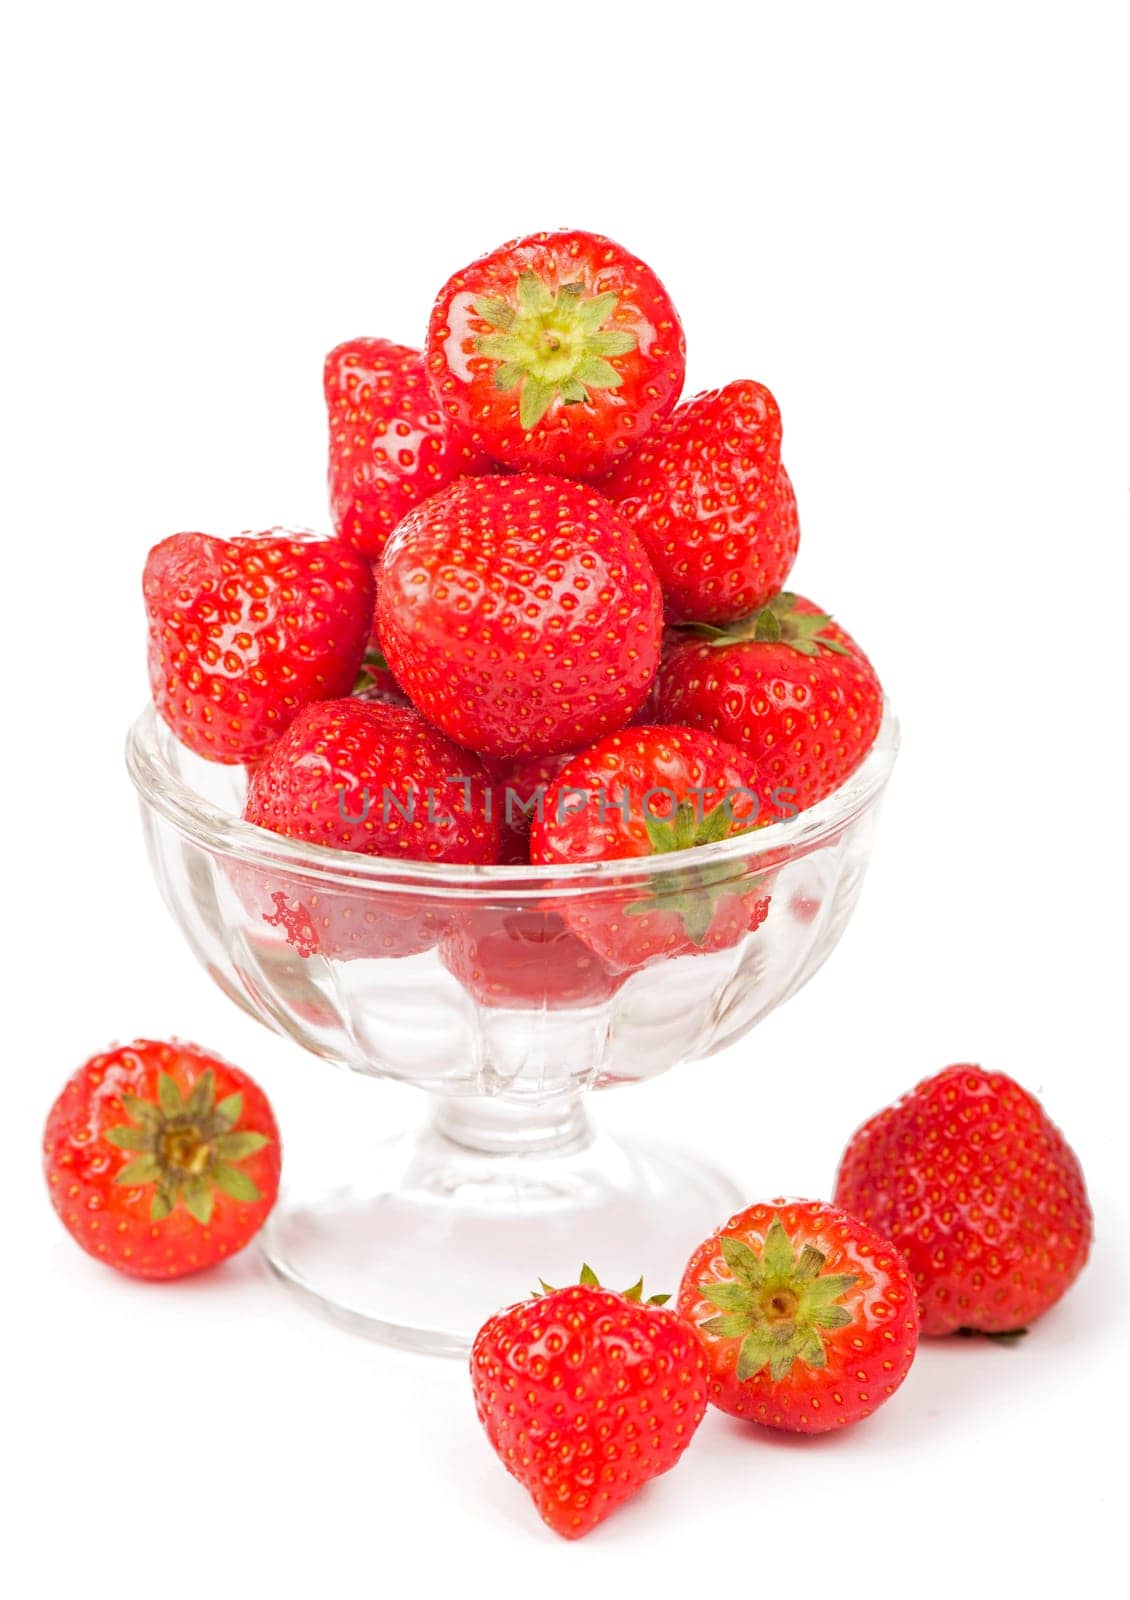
692 895
551 346
590 1281
690 825
777 622
186 1148
778 1304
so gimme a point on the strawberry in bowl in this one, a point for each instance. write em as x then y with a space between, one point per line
390 444
520 614
555 353
368 777
652 792
245 632
375 780
709 496
787 685
516 959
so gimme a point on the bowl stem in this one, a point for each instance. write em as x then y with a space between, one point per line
495 1126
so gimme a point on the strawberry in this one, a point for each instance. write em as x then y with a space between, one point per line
525 961
161 1159
341 924
520 614
586 1395
808 1317
786 685
980 1191
376 779
557 352
709 497
390 446
648 791
245 632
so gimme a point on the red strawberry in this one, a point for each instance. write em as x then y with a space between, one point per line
244 632
808 1317
520 614
586 1395
525 961
788 686
558 352
161 1159
709 497
375 779
390 446
341 924
982 1194
648 791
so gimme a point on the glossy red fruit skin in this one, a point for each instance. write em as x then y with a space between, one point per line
623 768
708 495
245 632
808 721
520 614
867 1360
358 748
390 446
110 1221
585 1397
573 440
980 1192
324 782
522 960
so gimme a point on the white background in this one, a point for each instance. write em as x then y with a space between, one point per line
906 221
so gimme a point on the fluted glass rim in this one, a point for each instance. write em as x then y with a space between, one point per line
163 790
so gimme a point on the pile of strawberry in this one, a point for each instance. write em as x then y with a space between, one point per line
960 1209
550 579
521 511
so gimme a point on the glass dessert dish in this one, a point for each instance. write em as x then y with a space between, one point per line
471 984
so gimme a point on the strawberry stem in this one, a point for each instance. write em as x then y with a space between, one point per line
778 622
551 346
187 1148
777 1303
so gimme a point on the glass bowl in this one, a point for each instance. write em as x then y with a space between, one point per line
471 984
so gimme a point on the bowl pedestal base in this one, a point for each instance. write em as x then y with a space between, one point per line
460 1218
